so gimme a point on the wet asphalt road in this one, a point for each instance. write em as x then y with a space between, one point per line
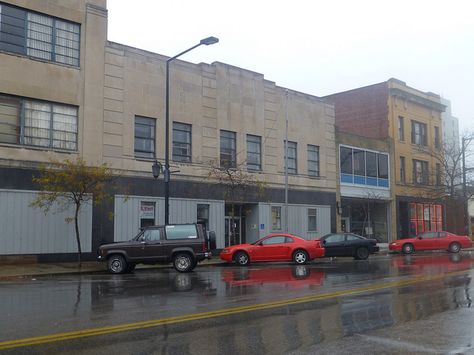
389 304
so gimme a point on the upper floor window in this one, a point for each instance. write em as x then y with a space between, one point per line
420 172
39 36
313 160
254 152
346 160
228 149
418 133
438 174
144 137
38 123
401 128
402 170
292 162
363 167
182 142
436 137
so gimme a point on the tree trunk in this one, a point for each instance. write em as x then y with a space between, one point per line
78 240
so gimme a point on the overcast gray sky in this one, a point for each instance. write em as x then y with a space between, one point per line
317 47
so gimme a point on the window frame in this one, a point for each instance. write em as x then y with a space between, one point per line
403 177
275 213
313 149
310 216
231 152
291 147
423 173
421 135
143 154
32 31
401 128
257 141
186 129
28 117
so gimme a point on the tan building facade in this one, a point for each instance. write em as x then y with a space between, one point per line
410 121
65 91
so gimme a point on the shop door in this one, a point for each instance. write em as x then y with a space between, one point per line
237 237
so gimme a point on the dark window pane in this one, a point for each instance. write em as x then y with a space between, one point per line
228 149
313 160
144 137
254 156
371 164
9 120
359 162
12 29
182 142
383 166
292 160
346 160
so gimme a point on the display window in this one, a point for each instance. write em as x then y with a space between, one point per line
425 217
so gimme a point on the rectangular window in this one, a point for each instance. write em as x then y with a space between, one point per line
425 217
418 133
401 128
371 164
181 231
383 166
38 123
438 174
292 162
346 160
359 162
402 170
182 142
203 214
39 36
420 172
436 137
312 225
228 149
144 137
276 218
313 160
254 152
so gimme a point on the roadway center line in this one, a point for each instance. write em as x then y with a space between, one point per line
218 313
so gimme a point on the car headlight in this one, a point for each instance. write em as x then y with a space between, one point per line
225 251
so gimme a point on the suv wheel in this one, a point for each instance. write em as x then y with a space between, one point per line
117 264
183 262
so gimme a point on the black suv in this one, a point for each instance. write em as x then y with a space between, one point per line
182 244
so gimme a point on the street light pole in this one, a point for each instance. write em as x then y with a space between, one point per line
166 169
464 190
286 162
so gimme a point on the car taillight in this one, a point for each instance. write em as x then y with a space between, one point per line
204 246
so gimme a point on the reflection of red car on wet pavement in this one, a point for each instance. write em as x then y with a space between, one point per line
274 247
433 263
432 241
295 276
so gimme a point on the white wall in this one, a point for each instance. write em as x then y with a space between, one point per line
27 230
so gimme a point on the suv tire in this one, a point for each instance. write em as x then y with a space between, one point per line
116 264
183 262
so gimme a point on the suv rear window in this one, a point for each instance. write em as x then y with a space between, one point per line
181 232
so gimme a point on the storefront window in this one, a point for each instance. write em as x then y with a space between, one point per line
425 217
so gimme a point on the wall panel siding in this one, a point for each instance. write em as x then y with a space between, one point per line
127 217
27 230
297 220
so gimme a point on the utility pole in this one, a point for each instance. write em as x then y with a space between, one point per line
464 189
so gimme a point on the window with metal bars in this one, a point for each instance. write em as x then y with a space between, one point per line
38 35
38 123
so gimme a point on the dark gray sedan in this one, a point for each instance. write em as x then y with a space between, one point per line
348 244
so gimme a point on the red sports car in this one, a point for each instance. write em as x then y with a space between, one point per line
432 241
274 247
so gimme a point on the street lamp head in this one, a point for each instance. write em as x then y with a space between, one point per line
209 40
156 168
